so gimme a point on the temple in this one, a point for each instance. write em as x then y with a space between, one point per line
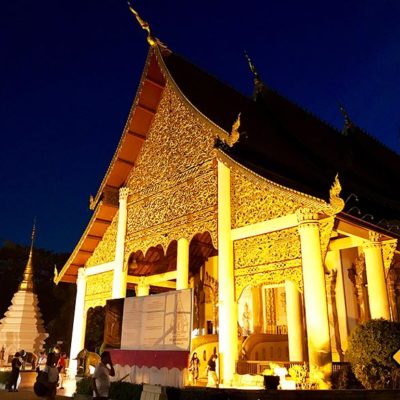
22 328
285 227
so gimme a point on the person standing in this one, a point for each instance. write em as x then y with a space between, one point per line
194 366
212 377
61 368
42 360
15 367
101 377
52 376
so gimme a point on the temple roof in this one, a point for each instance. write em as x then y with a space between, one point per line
279 141
283 142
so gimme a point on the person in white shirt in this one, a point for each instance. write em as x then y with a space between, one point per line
42 360
101 377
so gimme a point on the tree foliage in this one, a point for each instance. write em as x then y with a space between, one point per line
370 352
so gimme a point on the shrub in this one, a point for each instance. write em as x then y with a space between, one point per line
370 352
85 386
344 378
125 391
5 377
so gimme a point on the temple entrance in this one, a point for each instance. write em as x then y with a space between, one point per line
263 323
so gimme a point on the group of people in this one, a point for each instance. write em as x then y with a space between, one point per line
211 369
50 369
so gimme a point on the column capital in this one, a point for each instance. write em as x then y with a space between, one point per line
123 193
81 274
374 240
306 216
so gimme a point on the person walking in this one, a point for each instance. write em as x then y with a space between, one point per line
15 367
101 377
61 368
212 377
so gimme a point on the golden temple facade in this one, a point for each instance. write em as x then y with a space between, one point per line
204 191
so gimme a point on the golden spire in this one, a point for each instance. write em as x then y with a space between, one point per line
144 25
348 123
27 280
259 85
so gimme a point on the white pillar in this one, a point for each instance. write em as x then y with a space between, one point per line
226 285
78 330
294 321
182 264
318 336
377 292
119 280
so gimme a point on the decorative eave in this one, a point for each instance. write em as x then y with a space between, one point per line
91 237
105 203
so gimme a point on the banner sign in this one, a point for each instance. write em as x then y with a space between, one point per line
158 322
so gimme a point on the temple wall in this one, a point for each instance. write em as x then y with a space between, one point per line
173 186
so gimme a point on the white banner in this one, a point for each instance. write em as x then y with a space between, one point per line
158 322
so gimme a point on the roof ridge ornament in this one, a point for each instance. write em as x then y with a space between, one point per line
348 123
144 25
336 203
233 137
259 85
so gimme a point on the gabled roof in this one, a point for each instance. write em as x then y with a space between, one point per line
283 142
279 140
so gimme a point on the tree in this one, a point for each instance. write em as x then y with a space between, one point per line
370 352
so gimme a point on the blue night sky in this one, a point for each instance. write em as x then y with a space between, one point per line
69 71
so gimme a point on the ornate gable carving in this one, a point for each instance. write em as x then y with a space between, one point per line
174 184
255 199
105 250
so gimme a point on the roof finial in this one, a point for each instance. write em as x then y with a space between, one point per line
27 280
144 24
348 123
252 67
259 85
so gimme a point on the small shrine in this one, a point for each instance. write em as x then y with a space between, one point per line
22 327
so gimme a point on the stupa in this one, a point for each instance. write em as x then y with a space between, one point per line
22 326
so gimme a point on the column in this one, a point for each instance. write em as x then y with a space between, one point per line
142 289
119 281
78 330
294 322
182 264
318 338
377 293
226 285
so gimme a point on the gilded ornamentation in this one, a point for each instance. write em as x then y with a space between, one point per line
98 289
255 199
278 276
173 186
231 139
325 231
123 193
306 215
105 250
144 25
374 236
388 248
267 249
336 203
